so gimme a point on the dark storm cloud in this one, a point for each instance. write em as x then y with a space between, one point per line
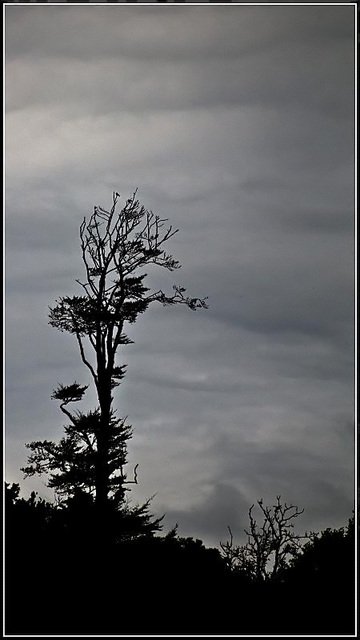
298 479
236 123
223 505
180 33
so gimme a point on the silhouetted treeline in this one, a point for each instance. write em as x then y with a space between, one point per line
146 583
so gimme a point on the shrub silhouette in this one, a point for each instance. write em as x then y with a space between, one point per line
161 585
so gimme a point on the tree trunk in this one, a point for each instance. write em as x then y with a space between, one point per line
102 468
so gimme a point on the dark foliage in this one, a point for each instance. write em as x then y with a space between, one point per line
325 572
152 585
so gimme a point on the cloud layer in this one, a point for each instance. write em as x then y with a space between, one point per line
236 123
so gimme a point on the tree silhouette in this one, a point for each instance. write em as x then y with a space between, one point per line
51 559
116 246
269 547
327 558
325 571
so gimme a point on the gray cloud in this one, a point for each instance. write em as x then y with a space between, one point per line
188 33
236 123
223 506
284 75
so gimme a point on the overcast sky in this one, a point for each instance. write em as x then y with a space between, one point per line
236 124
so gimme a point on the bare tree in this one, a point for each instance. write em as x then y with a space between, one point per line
269 546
